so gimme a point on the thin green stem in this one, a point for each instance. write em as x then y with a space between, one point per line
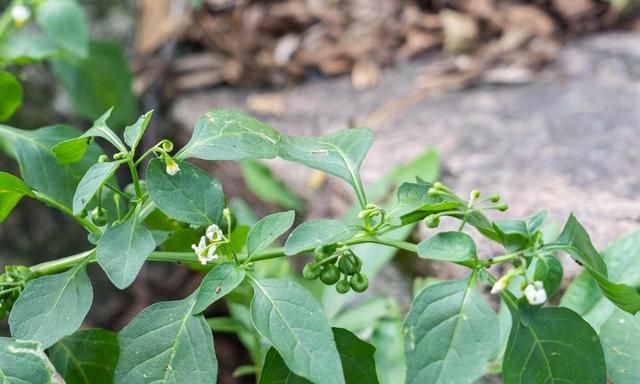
62 208
500 259
134 177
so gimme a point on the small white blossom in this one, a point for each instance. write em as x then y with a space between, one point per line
211 255
535 293
204 252
214 233
20 14
500 285
172 167
201 248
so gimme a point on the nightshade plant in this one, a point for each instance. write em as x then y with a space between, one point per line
451 334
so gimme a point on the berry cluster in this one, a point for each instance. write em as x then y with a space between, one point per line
337 265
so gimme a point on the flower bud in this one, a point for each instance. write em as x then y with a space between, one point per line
432 221
438 186
103 159
501 284
171 166
167 145
474 194
494 198
502 207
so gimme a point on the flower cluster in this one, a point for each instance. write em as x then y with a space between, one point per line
535 293
206 248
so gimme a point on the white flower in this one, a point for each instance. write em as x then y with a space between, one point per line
201 248
535 293
172 167
205 252
20 14
500 285
211 255
214 233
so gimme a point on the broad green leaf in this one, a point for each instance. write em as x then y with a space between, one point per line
133 133
619 336
100 81
514 235
267 230
315 233
363 316
339 154
39 167
26 46
583 295
12 189
387 338
190 196
268 187
216 284
450 334
123 249
414 203
65 23
230 135
166 344
11 92
356 357
451 246
553 345
25 362
52 306
86 357
95 178
294 323
581 249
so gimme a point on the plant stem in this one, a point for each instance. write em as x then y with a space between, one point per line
62 208
134 177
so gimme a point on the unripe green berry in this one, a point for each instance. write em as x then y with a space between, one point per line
311 271
99 216
432 221
475 194
103 159
330 274
359 282
502 207
494 198
438 185
167 145
343 286
347 264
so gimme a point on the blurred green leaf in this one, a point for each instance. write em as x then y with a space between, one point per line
315 233
66 24
11 92
12 189
619 336
267 230
268 187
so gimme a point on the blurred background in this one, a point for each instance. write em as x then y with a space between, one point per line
536 100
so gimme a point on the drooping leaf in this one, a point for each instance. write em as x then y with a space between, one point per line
133 133
339 154
553 345
11 92
25 362
12 189
190 196
166 344
389 356
356 357
450 334
268 187
123 249
619 336
87 357
230 135
216 284
451 246
52 306
583 295
581 249
65 23
100 81
95 178
315 233
294 323
267 230
39 167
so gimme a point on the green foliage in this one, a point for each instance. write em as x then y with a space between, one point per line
12 190
221 280
450 246
65 24
267 230
24 361
316 233
87 356
11 92
261 181
92 181
619 336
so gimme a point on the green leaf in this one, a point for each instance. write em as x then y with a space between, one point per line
553 271
339 154
190 196
95 178
450 334
267 230
38 166
356 357
123 249
230 135
387 338
99 82
166 344
581 249
52 307
65 23
86 357
294 323
11 92
12 189
451 246
133 133
26 46
268 187
315 233
554 346
216 284
25 362
619 336
583 295
414 203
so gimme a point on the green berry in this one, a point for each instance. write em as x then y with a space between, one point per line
311 271
432 221
99 216
348 264
330 274
494 198
343 286
502 207
359 282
